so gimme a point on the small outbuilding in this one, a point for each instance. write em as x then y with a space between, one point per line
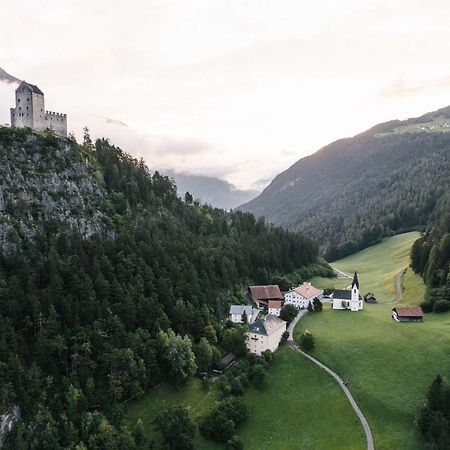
370 298
407 314
228 360
274 307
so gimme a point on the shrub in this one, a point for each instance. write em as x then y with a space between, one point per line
441 306
221 422
306 341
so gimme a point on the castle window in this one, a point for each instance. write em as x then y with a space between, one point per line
18 100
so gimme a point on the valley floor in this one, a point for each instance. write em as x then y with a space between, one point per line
388 366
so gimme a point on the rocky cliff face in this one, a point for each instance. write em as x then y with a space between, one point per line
45 179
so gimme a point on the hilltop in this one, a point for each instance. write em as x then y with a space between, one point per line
5 76
392 178
104 272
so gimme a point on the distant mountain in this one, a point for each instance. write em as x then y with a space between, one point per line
393 177
5 76
214 191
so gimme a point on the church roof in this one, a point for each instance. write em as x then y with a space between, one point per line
24 86
355 280
343 294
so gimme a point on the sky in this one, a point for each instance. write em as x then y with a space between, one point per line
234 89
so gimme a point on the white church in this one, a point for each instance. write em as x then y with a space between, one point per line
348 299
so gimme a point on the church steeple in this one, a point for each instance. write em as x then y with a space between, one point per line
355 280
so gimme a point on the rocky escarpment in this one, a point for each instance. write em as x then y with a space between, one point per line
47 180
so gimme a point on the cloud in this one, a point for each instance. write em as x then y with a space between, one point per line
172 146
403 88
115 122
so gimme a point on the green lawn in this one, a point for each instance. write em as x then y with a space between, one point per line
301 408
388 365
376 265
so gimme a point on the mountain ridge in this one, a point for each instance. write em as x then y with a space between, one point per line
356 190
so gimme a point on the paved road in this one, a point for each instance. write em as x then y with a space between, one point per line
398 287
341 383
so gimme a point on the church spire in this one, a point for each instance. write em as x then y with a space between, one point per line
355 280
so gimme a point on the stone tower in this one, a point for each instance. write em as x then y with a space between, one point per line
30 111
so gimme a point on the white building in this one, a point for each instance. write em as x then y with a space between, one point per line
348 299
237 311
265 334
302 295
274 307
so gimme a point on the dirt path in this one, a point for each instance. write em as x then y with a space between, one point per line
398 287
341 274
342 384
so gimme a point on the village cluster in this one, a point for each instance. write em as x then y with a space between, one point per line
266 328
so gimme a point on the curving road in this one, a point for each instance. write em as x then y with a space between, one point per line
361 417
398 287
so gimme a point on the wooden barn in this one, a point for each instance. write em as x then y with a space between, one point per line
407 314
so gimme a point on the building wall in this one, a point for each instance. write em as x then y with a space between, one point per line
22 114
275 311
38 111
56 122
258 343
294 298
352 305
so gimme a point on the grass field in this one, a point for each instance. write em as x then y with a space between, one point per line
283 416
302 408
377 267
388 365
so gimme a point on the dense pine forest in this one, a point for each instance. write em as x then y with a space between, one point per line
126 289
391 179
430 257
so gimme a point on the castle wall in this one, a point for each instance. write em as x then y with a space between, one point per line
22 115
38 107
56 122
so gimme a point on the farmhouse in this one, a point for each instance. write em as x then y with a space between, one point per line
274 307
262 294
237 311
407 314
265 334
302 295
348 299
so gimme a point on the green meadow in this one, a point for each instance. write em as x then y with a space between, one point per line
388 366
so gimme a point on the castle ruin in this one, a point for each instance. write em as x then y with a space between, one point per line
30 111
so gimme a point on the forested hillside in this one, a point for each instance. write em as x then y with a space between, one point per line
392 178
430 257
91 319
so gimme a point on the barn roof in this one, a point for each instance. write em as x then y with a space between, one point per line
228 359
274 304
269 292
409 312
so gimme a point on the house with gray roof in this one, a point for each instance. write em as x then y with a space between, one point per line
265 334
237 311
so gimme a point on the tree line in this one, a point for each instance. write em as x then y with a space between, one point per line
86 324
